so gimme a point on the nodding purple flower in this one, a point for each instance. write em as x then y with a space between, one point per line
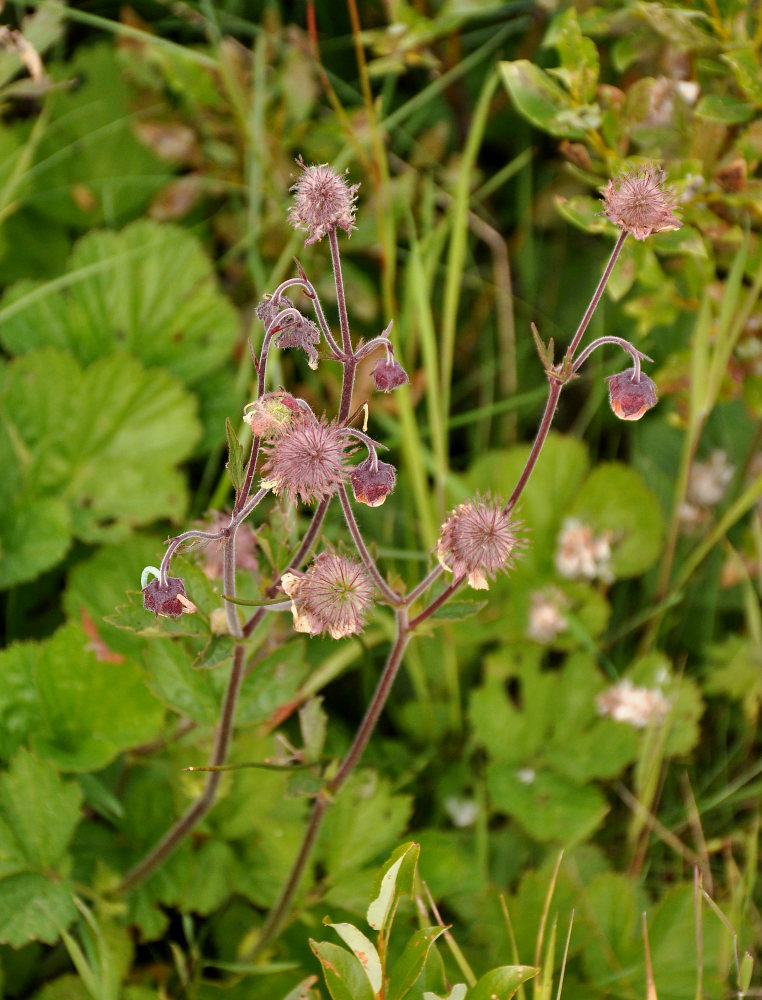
300 332
268 308
477 541
372 485
629 396
323 202
389 374
169 601
307 461
333 596
639 203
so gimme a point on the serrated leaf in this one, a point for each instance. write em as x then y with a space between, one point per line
456 611
235 456
344 976
396 878
35 535
39 809
502 983
364 951
408 966
33 908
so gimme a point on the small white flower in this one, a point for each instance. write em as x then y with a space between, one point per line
637 706
526 775
583 555
708 480
462 812
546 618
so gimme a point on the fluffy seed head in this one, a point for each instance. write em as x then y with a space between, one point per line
333 596
372 486
306 461
639 203
477 540
388 374
323 201
169 601
629 397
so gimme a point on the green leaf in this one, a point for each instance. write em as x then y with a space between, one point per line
396 878
195 694
724 108
409 965
344 975
313 723
275 683
545 104
235 456
39 810
90 709
33 908
364 951
579 56
502 983
456 611
35 534
746 69
458 992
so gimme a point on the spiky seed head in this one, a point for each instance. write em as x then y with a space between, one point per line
333 596
639 203
307 461
631 394
372 486
323 201
477 541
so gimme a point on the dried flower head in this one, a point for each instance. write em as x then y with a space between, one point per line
307 461
300 332
268 308
477 540
333 596
371 485
583 555
389 374
631 394
169 601
639 203
323 201
637 706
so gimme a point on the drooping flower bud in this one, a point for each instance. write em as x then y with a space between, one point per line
389 374
639 203
333 596
307 461
169 601
372 486
629 396
477 540
323 201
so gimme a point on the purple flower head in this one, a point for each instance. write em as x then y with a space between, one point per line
477 540
629 397
389 374
333 596
639 203
307 461
169 601
323 201
371 485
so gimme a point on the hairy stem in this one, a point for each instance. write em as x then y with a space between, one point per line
390 595
597 294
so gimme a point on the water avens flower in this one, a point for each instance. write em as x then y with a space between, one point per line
389 374
272 413
307 461
323 201
477 541
639 203
333 596
169 601
371 485
303 333
631 394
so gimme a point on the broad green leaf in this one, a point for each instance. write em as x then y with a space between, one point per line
19 709
502 983
458 992
396 878
456 611
745 65
39 809
313 724
614 498
546 105
35 535
364 951
193 693
33 908
275 683
344 975
409 965
90 709
584 212
724 108
579 56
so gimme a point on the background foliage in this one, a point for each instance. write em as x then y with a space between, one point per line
143 193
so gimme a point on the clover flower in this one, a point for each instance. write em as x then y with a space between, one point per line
323 201
333 596
307 461
631 394
476 541
639 203
583 555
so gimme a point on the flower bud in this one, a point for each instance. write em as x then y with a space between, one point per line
169 601
372 486
629 397
389 374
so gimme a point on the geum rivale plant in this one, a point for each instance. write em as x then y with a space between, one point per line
308 458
